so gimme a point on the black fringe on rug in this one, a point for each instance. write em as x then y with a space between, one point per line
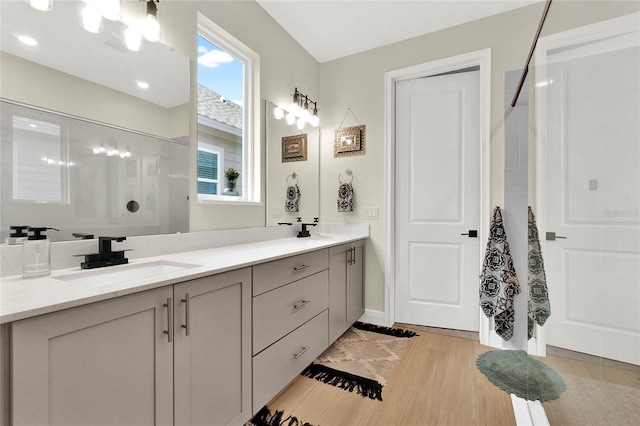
265 418
341 379
396 332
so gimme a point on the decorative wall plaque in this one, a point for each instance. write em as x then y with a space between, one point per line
349 141
294 148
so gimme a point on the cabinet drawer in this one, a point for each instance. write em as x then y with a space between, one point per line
277 312
276 366
268 276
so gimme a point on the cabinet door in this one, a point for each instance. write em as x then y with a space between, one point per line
355 282
338 291
213 362
104 363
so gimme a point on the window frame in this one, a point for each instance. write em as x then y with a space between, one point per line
219 151
251 164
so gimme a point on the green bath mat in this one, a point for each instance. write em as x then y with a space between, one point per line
516 372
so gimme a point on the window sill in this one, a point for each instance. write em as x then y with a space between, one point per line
227 200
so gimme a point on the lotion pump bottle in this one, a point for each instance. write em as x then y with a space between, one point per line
18 235
36 254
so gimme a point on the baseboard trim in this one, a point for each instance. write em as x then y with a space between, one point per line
528 413
372 316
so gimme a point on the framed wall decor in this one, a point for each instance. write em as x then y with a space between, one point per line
349 141
294 148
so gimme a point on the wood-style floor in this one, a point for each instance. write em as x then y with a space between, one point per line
436 382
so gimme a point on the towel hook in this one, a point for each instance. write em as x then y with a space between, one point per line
348 172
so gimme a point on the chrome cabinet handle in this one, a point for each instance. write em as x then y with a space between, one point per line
351 259
300 268
169 330
187 316
301 304
299 354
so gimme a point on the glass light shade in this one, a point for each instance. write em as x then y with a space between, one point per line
291 118
111 9
132 39
91 19
300 123
151 28
314 121
278 113
305 115
295 109
43 5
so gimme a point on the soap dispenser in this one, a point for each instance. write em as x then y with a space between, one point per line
18 235
36 254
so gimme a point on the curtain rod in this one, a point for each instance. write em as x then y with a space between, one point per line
525 71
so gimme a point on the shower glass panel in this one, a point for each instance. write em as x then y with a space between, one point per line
89 178
587 204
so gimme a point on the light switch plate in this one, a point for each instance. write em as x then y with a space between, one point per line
371 213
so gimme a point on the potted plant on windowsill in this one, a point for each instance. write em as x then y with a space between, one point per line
231 176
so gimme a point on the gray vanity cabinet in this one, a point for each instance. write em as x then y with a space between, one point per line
108 362
213 361
346 287
117 362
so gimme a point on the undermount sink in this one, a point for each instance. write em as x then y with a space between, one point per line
124 273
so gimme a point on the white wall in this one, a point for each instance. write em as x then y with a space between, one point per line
357 82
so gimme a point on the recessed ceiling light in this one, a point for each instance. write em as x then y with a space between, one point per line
29 41
142 85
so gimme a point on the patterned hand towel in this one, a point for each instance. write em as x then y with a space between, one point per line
498 281
292 204
539 307
345 197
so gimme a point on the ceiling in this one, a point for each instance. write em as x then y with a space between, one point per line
332 29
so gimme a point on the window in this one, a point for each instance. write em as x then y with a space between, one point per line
210 159
228 119
40 162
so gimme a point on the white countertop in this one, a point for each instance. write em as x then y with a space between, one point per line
23 298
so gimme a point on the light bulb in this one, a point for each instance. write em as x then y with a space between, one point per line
132 39
111 9
314 121
305 115
278 113
91 19
300 123
291 118
151 28
43 5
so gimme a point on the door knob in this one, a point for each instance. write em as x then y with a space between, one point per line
473 233
551 236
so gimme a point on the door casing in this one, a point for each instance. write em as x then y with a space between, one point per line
481 58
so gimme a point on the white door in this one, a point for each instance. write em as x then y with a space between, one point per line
592 196
437 201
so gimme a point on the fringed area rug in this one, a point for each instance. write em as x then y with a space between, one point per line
361 360
265 418
592 402
517 373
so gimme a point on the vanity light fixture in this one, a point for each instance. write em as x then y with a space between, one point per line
110 9
43 5
91 19
133 39
300 111
150 25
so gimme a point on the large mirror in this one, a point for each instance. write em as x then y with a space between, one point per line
103 152
293 170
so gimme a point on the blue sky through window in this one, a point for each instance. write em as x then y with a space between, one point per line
219 71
